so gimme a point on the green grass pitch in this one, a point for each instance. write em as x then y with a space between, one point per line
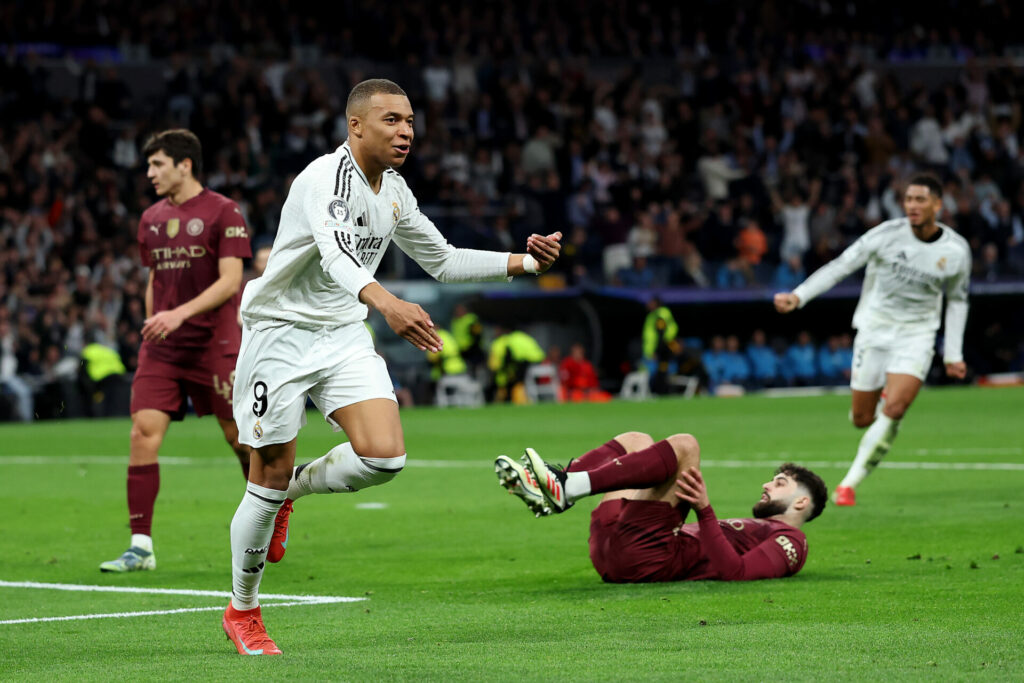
922 580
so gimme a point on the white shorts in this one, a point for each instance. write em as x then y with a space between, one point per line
279 364
875 356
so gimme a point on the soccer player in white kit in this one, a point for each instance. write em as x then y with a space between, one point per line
304 335
911 262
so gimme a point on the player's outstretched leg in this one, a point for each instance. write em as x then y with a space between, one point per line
520 482
245 629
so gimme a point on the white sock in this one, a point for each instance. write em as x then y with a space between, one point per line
873 446
142 541
251 529
577 485
342 470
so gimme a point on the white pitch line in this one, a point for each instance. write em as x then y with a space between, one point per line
89 588
126 615
730 462
290 600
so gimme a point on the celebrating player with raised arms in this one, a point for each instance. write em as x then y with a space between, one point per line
193 241
303 333
911 262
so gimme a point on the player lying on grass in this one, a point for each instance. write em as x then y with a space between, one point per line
638 533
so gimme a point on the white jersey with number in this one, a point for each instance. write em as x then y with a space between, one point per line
333 233
904 283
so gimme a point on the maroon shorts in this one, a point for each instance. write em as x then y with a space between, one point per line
205 377
636 541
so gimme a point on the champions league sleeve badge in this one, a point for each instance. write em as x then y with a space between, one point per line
339 210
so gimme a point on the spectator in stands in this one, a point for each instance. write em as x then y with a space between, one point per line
714 362
469 335
800 365
735 368
834 362
10 381
789 274
660 347
765 368
512 352
447 361
579 378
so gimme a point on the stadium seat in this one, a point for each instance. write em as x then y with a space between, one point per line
541 382
460 391
636 386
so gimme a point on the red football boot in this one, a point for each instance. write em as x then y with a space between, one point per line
245 629
279 541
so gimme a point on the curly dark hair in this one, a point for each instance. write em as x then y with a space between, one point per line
810 481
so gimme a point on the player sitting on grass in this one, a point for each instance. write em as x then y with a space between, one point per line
638 533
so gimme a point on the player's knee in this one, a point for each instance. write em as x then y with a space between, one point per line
862 418
634 441
381 448
896 409
687 449
369 472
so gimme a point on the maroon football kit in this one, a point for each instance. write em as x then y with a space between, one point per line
643 541
182 245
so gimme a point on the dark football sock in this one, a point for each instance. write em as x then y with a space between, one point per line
143 485
638 470
591 460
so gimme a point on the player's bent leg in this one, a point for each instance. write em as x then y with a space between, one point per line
900 391
242 452
687 452
374 454
863 407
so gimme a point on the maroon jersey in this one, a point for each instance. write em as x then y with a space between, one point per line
634 541
744 549
182 244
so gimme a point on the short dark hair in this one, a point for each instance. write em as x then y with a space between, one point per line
810 481
929 181
362 92
179 144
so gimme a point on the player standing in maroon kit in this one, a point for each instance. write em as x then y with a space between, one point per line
193 241
638 532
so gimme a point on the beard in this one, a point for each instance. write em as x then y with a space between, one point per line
769 508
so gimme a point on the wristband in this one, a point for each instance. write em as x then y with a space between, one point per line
530 265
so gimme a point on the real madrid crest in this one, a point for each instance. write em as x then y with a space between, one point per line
941 265
257 430
395 213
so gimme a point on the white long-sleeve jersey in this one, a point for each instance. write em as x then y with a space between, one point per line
904 283
333 233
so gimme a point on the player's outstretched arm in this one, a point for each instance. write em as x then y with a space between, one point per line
541 253
786 302
408 320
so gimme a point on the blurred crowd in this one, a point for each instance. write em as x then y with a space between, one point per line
711 144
